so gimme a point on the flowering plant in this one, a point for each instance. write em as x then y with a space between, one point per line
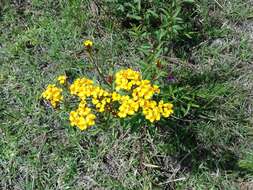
132 95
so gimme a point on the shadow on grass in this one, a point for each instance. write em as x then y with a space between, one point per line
210 136
192 153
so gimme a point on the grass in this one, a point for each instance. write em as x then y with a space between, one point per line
205 148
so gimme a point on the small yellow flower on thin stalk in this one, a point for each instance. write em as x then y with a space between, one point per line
62 79
88 43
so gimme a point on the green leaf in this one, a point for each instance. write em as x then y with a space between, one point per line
136 17
188 1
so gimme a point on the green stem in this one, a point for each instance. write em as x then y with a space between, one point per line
98 69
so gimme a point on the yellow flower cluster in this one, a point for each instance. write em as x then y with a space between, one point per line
100 98
126 79
84 88
153 111
145 90
53 94
128 107
140 94
82 117
62 79
88 43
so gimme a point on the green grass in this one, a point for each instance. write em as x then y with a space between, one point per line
205 147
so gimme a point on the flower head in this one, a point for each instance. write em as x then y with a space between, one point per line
126 79
53 94
88 43
82 117
62 79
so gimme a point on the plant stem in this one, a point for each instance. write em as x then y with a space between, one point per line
98 69
141 143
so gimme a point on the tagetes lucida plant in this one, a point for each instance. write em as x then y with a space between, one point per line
132 95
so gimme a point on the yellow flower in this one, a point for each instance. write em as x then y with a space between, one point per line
95 101
128 107
116 96
82 117
152 114
145 90
62 79
126 79
53 94
100 98
72 117
166 109
82 87
153 111
88 43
